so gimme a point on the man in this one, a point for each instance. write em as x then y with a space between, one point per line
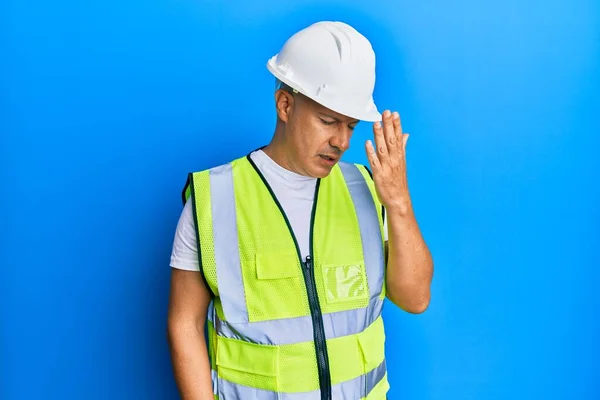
287 254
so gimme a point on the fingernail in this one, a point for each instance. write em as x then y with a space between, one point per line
396 115
386 113
377 125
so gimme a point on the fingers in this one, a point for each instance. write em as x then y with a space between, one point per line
380 144
372 156
391 139
397 124
398 132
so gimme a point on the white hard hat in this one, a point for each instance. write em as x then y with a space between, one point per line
332 64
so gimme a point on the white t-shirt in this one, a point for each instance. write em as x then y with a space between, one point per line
295 194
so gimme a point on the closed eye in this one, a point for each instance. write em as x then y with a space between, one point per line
327 122
333 121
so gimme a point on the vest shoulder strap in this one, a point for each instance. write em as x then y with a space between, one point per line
371 184
197 190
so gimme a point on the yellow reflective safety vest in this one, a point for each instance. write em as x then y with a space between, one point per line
281 327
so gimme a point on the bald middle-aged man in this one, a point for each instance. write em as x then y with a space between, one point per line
286 254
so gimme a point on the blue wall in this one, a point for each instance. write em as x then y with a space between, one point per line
106 105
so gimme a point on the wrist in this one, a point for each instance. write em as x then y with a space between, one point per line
401 208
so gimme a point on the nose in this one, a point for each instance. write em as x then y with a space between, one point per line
341 140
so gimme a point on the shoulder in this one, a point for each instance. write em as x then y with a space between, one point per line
365 178
357 170
235 161
188 187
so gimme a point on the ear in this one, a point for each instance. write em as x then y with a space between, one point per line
284 101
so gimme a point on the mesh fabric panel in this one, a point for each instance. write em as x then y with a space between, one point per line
298 365
203 216
338 255
272 275
247 364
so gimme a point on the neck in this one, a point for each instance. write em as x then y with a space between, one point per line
277 151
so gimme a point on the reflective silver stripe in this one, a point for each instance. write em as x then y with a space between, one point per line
375 376
210 311
215 381
351 322
361 386
370 231
211 316
353 389
298 330
227 255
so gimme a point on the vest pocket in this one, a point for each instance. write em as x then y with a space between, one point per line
277 266
372 345
248 364
274 287
345 282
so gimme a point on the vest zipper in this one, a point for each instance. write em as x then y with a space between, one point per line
311 289
315 309
319 331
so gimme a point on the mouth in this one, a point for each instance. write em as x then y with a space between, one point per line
328 158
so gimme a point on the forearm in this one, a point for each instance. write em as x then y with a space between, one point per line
190 361
409 262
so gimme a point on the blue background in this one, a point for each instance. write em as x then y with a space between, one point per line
106 105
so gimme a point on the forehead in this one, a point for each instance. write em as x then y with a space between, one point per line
324 111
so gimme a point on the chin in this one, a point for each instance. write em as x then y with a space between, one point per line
321 172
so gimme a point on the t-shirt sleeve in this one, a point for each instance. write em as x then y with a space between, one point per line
184 254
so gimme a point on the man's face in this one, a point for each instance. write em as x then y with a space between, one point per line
316 137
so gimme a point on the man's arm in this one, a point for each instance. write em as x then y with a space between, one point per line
409 262
188 305
409 266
